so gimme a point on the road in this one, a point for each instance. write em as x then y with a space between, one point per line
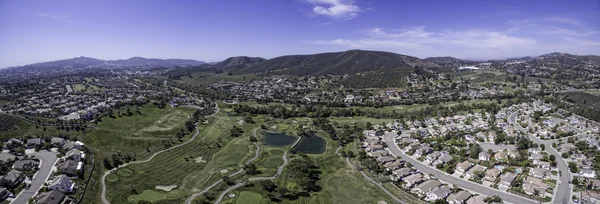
103 195
279 170
48 159
471 186
371 180
562 191
191 198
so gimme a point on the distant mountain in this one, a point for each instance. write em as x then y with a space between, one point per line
351 61
80 63
140 61
567 60
237 63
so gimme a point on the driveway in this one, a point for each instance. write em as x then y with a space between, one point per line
471 186
48 159
563 191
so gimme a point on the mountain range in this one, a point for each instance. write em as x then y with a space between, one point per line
80 63
346 62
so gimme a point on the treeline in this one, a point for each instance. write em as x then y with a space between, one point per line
315 111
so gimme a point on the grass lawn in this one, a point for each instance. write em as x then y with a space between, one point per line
401 193
182 166
13 127
133 134
552 183
86 88
248 197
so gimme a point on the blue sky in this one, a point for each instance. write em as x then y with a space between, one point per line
212 30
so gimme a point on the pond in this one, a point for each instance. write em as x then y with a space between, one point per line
311 145
278 139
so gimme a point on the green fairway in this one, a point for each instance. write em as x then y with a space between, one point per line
184 166
138 133
247 197
147 195
86 88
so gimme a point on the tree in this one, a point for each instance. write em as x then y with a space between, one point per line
268 185
440 201
236 131
573 167
493 199
250 169
564 155
536 192
474 151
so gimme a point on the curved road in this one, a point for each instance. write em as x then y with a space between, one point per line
48 159
189 200
472 186
103 195
562 192
279 170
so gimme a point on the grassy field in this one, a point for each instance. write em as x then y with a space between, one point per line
86 88
13 127
191 167
134 134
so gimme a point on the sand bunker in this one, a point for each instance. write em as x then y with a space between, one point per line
166 188
223 171
381 202
231 195
200 160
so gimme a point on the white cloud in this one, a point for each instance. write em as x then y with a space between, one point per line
522 38
338 9
54 17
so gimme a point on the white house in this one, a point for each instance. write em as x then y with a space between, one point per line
588 173
62 183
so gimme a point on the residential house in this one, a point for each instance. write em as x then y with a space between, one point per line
539 173
12 179
500 156
413 180
440 192
68 167
445 158
459 197
587 173
424 150
6 157
463 167
23 165
478 199
476 168
33 143
386 159
57 142
483 156
401 173
432 157
72 145
544 165
531 184
506 179
590 196
61 183
3 193
492 174
50 197
426 187
394 165
379 153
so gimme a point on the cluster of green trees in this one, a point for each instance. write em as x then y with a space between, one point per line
118 159
317 111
